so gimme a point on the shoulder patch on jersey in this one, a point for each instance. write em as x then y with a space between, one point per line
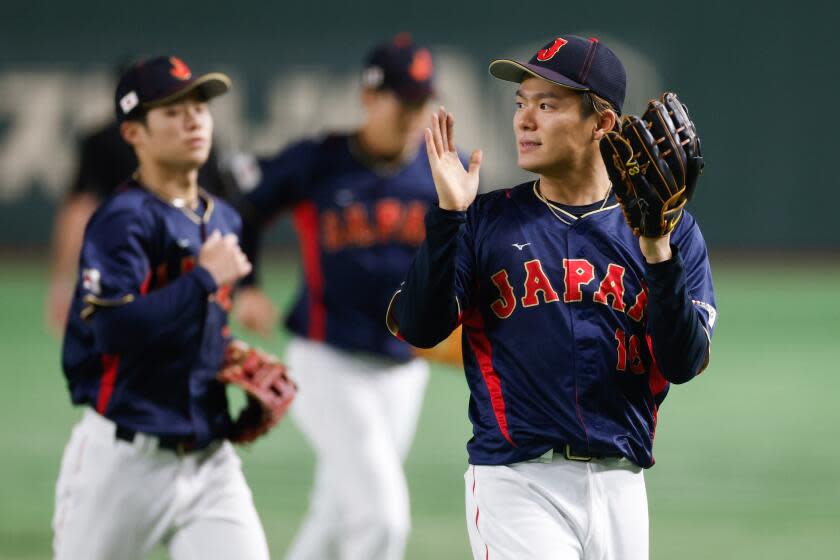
91 281
710 311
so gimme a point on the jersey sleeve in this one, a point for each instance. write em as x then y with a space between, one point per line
681 312
429 304
466 262
699 277
113 285
285 180
113 264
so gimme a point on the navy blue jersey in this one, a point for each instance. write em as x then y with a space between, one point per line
147 327
569 336
359 225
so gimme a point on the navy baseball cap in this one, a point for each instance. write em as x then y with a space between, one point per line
160 81
573 62
402 67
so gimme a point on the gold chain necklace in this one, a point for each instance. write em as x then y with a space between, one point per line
556 211
188 208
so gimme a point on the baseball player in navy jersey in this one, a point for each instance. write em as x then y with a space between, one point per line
574 328
105 161
358 202
148 462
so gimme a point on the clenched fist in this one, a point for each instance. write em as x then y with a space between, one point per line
223 258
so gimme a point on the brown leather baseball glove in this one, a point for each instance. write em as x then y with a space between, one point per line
447 352
654 163
268 388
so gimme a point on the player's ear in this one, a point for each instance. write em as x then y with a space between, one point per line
607 121
130 131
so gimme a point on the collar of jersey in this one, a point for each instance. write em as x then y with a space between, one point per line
564 215
194 216
378 166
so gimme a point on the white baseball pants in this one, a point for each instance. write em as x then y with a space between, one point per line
558 509
116 499
359 413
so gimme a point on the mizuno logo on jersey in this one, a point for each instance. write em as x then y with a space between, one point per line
538 288
520 246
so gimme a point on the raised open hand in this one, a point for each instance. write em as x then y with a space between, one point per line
456 186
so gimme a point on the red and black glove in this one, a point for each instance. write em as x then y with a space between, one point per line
268 388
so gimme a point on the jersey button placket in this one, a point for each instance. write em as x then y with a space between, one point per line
577 317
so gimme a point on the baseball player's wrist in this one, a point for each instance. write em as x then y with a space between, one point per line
452 206
442 224
656 249
448 213
664 272
205 279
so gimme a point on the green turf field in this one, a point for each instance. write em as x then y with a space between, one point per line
748 460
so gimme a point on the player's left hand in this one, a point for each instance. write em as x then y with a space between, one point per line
255 311
654 164
456 187
222 257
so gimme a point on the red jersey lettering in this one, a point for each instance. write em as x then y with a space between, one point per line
331 230
187 264
621 350
414 227
638 310
388 215
504 306
636 364
612 285
579 272
359 232
536 281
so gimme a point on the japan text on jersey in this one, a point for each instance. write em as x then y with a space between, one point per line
359 225
554 310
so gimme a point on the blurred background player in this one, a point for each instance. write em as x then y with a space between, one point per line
358 202
105 160
563 310
148 463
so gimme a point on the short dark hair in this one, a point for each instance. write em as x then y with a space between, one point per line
140 116
592 103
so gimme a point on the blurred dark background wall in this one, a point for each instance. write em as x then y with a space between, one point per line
760 79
